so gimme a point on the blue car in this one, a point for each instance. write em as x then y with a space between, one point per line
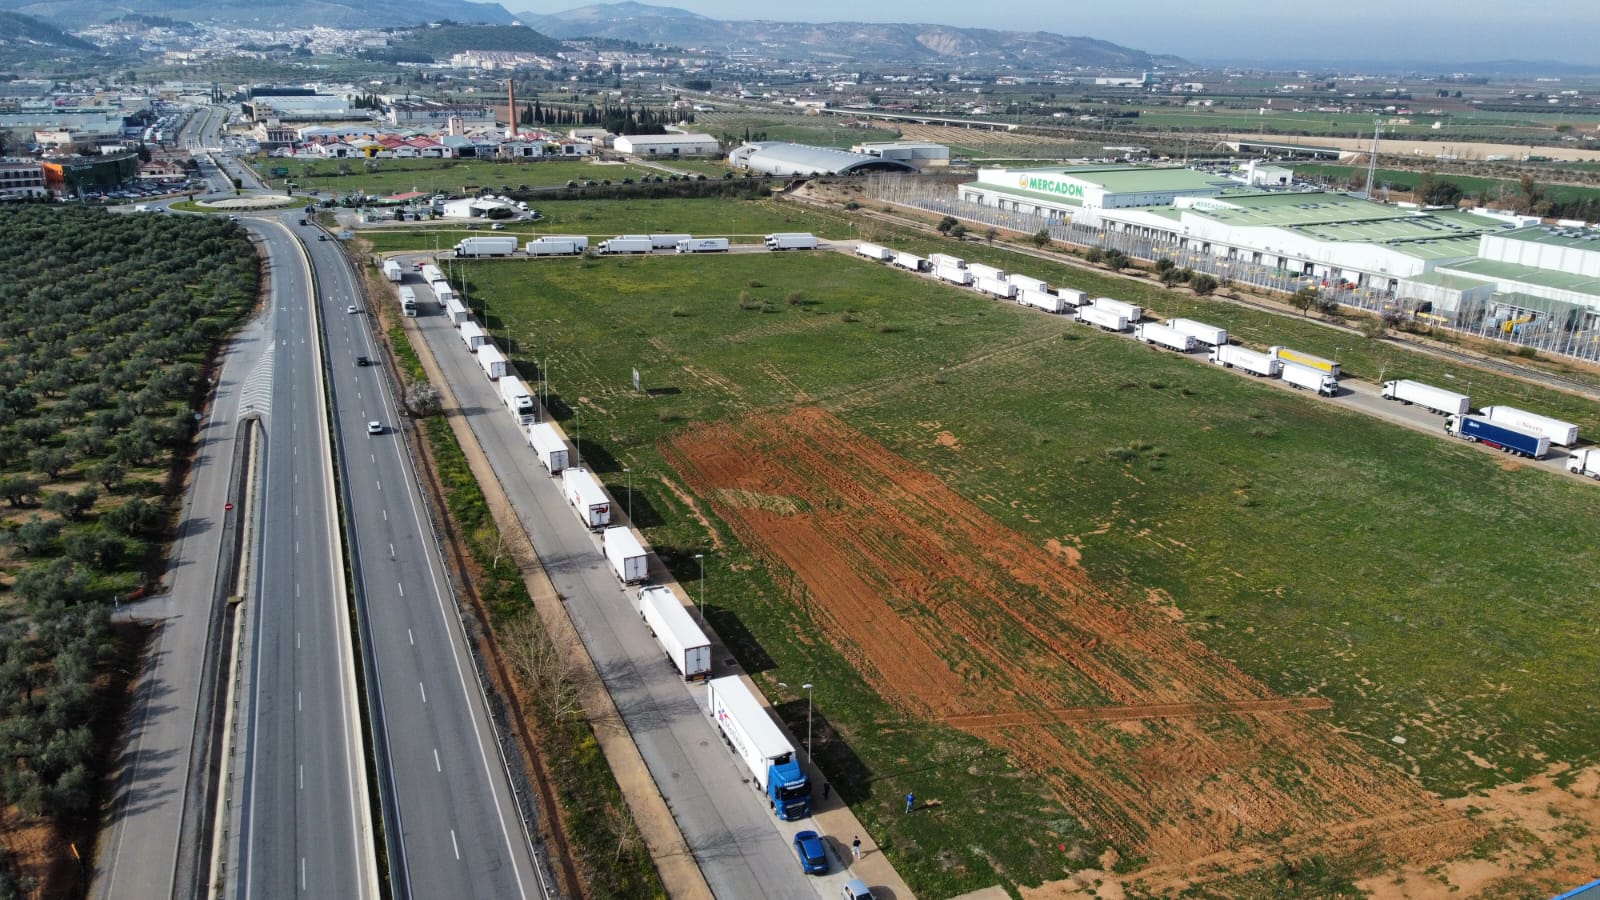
808 846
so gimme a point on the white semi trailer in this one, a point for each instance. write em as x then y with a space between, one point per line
675 630
628 559
1427 396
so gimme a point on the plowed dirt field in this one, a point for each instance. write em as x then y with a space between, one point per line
1163 748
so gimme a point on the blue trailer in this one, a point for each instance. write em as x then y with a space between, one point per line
1483 431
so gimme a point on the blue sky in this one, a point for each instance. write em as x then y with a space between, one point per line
1425 30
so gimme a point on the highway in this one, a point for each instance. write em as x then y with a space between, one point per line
741 848
304 824
453 823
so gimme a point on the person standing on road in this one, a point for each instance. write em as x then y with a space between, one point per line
855 847
911 800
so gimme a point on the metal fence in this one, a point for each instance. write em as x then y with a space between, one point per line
1544 335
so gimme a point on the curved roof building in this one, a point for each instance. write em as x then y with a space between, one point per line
779 158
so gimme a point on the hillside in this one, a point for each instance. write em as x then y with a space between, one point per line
441 42
288 14
23 31
879 43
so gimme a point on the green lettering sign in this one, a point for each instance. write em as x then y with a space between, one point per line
1051 186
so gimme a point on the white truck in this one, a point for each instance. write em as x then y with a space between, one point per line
1128 311
557 245
760 745
408 301
1584 462
472 335
936 260
1228 356
675 630
1210 335
627 243
587 497
1563 434
874 252
497 245
998 287
791 240
1028 283
392 270
432 273
981 271
668 241
952 273
1050 303
518 400
1300 357
1161 335
548 445
1108 319
1073 297
1439 400
443 291
458 313
493 362
1310 379
703 245
627 556
911 262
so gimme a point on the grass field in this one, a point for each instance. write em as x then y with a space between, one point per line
385 177
1470 185
1318 550
741 220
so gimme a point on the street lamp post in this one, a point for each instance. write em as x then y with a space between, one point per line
702 558
629 472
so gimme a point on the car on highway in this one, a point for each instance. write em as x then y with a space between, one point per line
813 858
350 309
363 361
322 237
856 889
374 428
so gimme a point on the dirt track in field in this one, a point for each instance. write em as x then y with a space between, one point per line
1152 741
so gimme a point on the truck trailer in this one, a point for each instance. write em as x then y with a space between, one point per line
703 245
1584 462
1129 311
587 497
944 259
760 745
497 245
1050 303
629 243
1310 379
1229 356
675 630
952 273
1028 283
912 262
627 556
1438 400
997 287
1161 335
557 245
392 270
981 271
1479 429
408 301
668 241
548 445
1562 433
458 313
1210 335
493 362
791 240
1108 319
874 252
1073 297
472 335
431 273
518 400
1305 359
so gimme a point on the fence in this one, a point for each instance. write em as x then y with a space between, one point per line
1546 336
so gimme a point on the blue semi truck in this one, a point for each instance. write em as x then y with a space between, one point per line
1483 431
760 745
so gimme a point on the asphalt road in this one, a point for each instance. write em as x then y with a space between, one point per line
742 849
305 828
456 830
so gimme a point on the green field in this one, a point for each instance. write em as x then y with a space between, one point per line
385 177
742 220
1417 583
1470 185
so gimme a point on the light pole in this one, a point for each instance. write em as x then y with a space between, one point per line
629 472
807 687
702 558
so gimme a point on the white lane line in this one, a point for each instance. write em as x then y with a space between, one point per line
300 776
424 691
401 588
297 640
453 845
412 637
391 551
298 705
386 515
436 766
303 873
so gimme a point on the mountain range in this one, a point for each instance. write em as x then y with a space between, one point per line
248 13
877 44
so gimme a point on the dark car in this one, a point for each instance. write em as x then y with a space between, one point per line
322 237
813 858
363 361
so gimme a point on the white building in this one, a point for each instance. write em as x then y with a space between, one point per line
918 154
667 145
1080 193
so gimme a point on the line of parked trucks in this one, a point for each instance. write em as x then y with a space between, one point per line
739 713
1510 429
578 244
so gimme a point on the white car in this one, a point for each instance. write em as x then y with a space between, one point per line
349 309
374 428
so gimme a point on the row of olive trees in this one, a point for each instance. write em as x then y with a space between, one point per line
105 324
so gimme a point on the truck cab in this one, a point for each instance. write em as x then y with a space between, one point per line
788 790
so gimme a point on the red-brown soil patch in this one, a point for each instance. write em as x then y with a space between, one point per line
955 617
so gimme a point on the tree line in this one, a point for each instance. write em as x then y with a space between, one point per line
617 118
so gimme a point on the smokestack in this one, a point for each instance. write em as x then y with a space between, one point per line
511 119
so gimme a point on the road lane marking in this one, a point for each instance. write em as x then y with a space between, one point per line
424 691
298 705
401 588
453 845
412 637
436 766
300 776
297 640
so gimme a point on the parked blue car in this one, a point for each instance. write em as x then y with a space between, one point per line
813 858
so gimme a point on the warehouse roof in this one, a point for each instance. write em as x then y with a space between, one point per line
779 158
1511 272
1132 179
645 140
1452 282
1582 238
1282 210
